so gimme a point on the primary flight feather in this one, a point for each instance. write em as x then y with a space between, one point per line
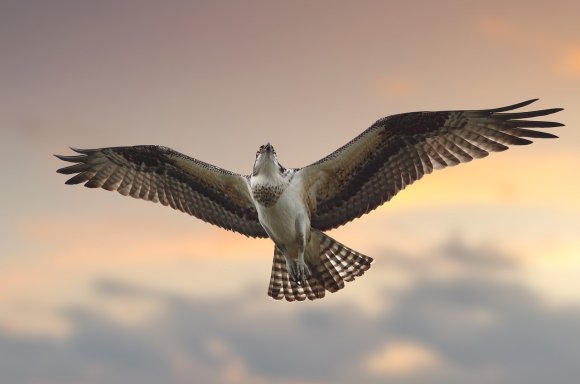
293 206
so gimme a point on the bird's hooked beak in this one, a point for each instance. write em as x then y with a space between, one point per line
269 151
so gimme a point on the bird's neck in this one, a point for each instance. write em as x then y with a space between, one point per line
268 176
269 170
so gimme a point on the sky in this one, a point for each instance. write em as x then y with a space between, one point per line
476 267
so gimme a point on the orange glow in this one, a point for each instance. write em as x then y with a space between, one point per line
563 52
570 61
517 177
402 358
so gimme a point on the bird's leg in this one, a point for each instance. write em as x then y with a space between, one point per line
300 270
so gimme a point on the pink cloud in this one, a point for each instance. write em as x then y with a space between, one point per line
403 358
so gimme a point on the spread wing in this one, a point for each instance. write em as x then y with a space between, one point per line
399 149
162 175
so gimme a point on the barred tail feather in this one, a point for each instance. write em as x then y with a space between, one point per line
331 265
277 277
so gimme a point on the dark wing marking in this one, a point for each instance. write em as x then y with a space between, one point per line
162 175
399 149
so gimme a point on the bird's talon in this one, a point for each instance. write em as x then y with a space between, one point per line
299 273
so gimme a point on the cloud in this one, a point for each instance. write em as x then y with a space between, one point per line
464 327
55 259
401 358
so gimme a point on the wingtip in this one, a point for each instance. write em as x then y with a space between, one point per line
80 150
513 106
71 159
61 157
550 111
527 102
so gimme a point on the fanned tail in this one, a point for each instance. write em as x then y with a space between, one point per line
331 265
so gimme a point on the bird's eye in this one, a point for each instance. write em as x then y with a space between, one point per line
260 150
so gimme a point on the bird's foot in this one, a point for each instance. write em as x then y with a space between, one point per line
299 272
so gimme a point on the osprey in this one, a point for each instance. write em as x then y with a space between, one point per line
294 206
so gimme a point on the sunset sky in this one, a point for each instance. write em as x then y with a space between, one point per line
477 267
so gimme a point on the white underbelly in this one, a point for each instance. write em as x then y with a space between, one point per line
284 219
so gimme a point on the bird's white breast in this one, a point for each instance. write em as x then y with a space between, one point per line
283 218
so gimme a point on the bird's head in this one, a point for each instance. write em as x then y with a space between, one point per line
267 161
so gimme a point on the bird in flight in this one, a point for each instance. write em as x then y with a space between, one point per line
294 206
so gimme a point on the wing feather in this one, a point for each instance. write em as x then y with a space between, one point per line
163 175
398 150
